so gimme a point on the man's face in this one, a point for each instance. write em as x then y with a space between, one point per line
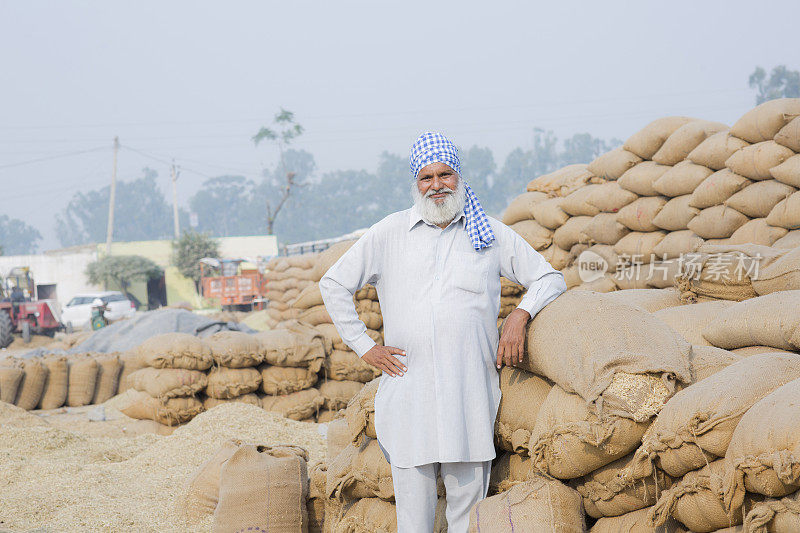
439 180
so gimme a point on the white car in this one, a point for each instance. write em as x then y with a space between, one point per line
78 312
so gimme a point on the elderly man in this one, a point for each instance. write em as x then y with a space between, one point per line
437 269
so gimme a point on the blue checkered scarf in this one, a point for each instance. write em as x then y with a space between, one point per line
433 147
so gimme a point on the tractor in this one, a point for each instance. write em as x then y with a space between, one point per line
21 312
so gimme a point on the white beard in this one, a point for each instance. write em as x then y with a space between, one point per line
442 213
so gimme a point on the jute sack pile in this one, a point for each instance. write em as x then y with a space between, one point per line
368 515
647 141
251 398
56 386
83 371
770 320
764 454
509 469
781 274
650 300
175 350
348 366
31 387
695 426
332 337
301 405
774 515
286 278
109 369
360 414
697 501
568 345
294 345
338 437
329 257
638 522
360 472
263 488
612 490
523 394
11 374
570 440
229 383
202 490
690 320
131 362
708 360
337 394
540 504
166 383
315 505
234 349
169 411
285 380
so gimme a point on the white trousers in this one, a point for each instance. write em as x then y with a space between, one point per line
415 494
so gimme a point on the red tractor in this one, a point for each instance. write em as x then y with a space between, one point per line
21 312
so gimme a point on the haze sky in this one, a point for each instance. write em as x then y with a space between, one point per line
195 80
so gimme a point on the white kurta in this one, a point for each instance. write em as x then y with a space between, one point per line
439 300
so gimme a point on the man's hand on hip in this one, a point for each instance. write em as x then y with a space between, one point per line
381 358
511 348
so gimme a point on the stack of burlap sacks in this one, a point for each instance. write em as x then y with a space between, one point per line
674 185
184 375
54 381
286 278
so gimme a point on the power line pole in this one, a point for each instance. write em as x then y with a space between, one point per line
176 221
110 231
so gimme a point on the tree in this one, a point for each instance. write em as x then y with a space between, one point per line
17 237
782 83
478 168
121 270
225 207
287 131
189 250
583 148
141 213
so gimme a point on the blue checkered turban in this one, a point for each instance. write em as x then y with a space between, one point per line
433 147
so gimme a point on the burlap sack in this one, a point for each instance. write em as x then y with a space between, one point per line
295 345
371 319
540 504
338 437
577 203
790 240
175 350
521 207
718 222
763 457
697 501
299 405
773 515
650 300
315 504
347 366
755 161
747 351
646 142
29 391
201 495
690 320
326 415
717 188
329 257
316 315
367 292
332 337
234 349
682 179
549 213
252 399
360 413
708 360
714 151
612 490
263 488
676 244
509 469
131 362
757 231
522 395
770 320
232 382
640 179
308 297
786 213
781 274
758 199
337 394
557 257
612 165
685 139
57 384
571 232
570 440
567 344
534 234
285 380
368 515
697 423
638 215
170 412
168 382
788 172
602 285
109 368
562 181
83 370
637 522
608 197
605 229
360 472
606 252
764 121
303 261
639 247
676 214
11 375
789 135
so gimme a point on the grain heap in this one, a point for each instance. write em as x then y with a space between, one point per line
673 186
286 277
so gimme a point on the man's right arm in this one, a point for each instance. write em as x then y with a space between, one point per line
360 265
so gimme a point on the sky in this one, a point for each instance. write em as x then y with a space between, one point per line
194 80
